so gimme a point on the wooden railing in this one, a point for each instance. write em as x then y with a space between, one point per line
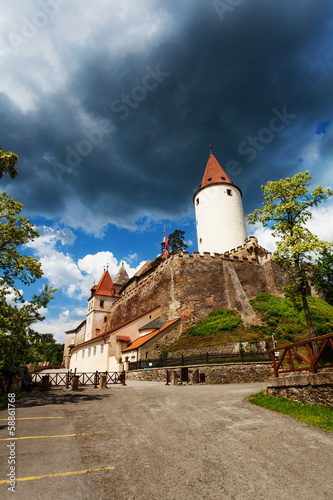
312 362
85 378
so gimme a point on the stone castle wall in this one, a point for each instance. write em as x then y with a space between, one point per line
233 373
191 287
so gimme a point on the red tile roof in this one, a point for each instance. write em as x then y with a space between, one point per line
105 286
142 340
214 173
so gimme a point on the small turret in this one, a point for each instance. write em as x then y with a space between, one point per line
121 279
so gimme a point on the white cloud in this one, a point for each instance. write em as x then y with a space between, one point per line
320 224
74 279
66 320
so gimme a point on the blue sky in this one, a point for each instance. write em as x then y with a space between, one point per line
111 106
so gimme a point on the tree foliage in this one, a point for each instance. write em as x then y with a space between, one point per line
8 162
323 275
17 314
286 210
176 241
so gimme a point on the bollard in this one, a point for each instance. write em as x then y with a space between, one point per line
75 383
174 378
124 377
102 382
45 383
167 378
193 378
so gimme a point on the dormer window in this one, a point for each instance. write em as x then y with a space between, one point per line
223 178
210 178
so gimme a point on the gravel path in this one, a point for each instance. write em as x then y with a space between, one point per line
170 442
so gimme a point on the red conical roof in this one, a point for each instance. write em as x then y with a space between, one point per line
214 173
105 286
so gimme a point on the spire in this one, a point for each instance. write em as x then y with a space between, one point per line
105 286
121 278
214 173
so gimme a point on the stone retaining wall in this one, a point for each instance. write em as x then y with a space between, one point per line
219 349
310 388
231 373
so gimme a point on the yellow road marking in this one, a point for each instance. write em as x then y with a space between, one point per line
57 436
59 474
40 418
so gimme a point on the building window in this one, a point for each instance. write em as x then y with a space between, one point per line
94 350
146 355
209 179
200 241
105 319
229 192
101 303
156 346
197 201
82 353
102 348
89 352
223 178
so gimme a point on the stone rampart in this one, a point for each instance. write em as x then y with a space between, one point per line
191 286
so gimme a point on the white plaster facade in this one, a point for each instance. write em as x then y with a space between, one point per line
219 218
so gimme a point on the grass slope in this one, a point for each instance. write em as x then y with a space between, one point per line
319 416
279 315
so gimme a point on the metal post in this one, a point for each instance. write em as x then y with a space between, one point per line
124 377
167 378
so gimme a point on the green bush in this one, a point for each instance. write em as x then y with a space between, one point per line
215 322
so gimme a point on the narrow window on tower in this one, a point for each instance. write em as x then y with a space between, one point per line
101 303
105 319
197 201
229 192
200 241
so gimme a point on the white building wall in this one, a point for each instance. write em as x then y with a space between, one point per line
96 361
219 218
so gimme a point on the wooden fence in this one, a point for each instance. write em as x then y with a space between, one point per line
311 363
64 379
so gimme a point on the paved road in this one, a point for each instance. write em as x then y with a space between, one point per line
151 441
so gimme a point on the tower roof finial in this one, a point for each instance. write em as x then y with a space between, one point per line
210 149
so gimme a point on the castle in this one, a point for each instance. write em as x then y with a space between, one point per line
132 319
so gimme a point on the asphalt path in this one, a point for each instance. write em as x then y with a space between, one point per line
151 441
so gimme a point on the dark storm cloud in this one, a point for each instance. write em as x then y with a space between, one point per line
204 79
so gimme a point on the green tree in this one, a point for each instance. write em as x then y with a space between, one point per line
287 208
176 241
8 162
16 314
323 275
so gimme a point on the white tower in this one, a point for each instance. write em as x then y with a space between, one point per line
219 211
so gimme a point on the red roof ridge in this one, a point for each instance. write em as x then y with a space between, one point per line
142 340
105 286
